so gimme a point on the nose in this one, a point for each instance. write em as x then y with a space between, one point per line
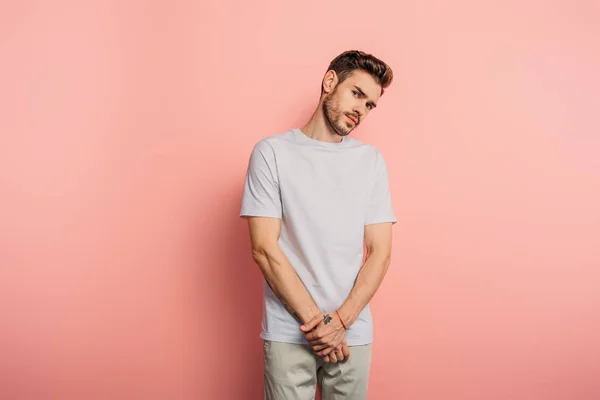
359 111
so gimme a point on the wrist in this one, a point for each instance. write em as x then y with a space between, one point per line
341 320
310 314
345 315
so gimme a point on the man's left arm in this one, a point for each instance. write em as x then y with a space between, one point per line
324 336
378 240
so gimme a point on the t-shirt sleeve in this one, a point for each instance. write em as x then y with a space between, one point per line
379 208
261 196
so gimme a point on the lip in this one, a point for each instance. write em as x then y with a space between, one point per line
354 121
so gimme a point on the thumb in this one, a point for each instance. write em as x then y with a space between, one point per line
309 326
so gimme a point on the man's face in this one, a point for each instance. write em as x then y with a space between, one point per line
351 101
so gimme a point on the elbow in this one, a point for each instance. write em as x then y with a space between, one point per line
384 261
387 262
259 254
262 253
266 259
383 258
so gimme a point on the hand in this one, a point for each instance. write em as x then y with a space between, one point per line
341 353
324 333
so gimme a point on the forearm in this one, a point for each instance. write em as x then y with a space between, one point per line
368 281
285 283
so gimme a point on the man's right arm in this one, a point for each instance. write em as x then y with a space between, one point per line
277 270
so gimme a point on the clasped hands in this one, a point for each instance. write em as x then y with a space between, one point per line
325 333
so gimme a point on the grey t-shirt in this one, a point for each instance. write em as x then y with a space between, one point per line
324 193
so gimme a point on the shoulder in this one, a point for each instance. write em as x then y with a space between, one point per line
368 148
372 152
269 144
375 159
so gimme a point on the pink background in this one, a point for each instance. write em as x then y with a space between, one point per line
125 272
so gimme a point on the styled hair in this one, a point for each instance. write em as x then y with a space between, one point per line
349 61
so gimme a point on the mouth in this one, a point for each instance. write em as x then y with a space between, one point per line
354 120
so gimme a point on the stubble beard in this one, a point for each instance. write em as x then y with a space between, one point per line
334 116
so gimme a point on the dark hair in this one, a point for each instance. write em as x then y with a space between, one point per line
349 61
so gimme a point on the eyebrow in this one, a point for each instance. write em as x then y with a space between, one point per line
362 93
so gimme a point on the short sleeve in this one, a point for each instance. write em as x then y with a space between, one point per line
261 196
379 208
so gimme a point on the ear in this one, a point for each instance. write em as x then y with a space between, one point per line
330 80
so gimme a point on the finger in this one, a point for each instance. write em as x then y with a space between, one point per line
320 342
318 337
324 343
317 342
319 347
332 357
326 351
346 350
310 325
339 354
337 340
326 359
334 340
314 338
320 332
337 343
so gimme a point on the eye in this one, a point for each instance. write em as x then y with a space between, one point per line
370 106
355 93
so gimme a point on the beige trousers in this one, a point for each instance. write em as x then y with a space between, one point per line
293 371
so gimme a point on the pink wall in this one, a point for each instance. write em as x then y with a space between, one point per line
126 127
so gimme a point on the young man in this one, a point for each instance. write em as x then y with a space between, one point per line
314 197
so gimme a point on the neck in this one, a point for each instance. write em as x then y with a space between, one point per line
319 129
